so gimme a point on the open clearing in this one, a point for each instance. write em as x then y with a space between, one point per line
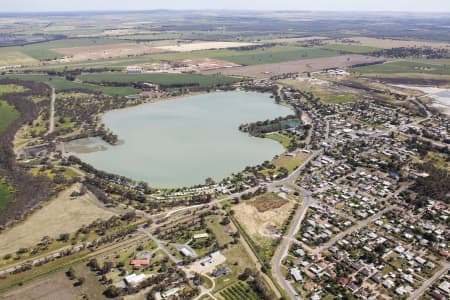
58 286
326 91
62 215
14 58
299 66
390 43
107 51
263 215
203 46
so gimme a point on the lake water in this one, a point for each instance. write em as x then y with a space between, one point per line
181 142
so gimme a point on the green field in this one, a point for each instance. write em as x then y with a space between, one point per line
31 54
434 67
253 57
352 48
6 195
167 80
8 115
61 84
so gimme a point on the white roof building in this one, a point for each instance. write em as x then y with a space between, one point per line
134 279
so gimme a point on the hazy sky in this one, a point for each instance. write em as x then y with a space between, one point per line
346 5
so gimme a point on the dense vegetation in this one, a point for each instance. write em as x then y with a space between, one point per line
29 190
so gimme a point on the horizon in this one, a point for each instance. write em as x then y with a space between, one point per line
401 6
224 10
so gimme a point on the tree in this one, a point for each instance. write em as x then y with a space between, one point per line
112 292
71 273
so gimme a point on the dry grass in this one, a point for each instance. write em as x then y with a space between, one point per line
298 66
203 46
268 202
55 286
261 216
107 51
62 215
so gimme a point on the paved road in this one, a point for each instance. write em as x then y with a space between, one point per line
417 293
285 244
51 126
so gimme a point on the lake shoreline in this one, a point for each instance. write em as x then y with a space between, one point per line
202 106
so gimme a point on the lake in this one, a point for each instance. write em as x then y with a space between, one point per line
182 142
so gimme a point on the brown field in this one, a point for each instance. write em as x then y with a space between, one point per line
107 51
389 43
299 66
267 202
58 286
261 216
206 64
62 215
196 46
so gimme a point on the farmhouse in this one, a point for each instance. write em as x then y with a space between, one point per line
138 263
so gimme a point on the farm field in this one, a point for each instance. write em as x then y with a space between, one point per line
357 49
61 84
298 66
238 291
202 46
434 67
391 43
32 54
167 80
97 52
72 212
254 57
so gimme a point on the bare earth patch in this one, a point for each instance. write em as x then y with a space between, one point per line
298 66
259 219
106 51
65 214
203 46
56 286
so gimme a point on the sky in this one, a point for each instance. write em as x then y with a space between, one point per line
327 5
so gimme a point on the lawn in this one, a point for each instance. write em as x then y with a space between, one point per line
166 80
61 84
285 141
434 67
290 162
